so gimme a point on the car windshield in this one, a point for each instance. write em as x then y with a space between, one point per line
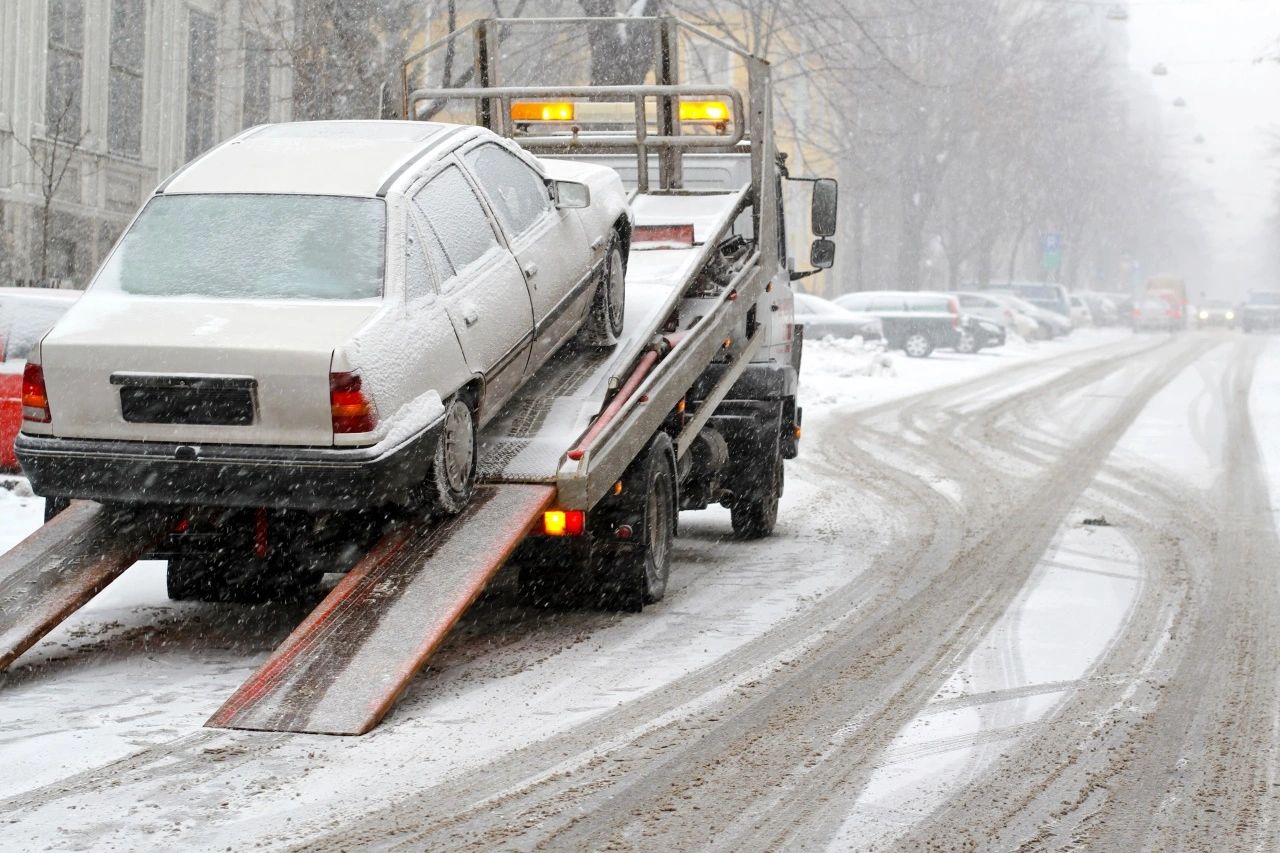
1269 297
252 247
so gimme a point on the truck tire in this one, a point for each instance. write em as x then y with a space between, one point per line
917 345
609 305
756 517
631 576
452 478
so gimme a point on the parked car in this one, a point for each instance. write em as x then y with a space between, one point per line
822 318
1260 311
916 323
1154 313
1081 313
26 314
984 334
1102 308
990 307
325 331
1051 297
1051 323
1215 313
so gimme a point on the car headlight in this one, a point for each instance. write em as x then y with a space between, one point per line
1204 315
1231 315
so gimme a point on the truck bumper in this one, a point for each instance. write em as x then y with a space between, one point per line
306 478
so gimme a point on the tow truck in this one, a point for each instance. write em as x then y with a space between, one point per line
584 473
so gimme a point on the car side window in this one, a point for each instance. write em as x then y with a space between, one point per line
886 303
518 193
454 216
425 262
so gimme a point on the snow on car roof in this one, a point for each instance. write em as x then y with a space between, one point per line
349 158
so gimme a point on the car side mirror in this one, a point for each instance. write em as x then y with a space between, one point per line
822 215
822 254
570 195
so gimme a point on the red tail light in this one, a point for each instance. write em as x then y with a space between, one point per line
352 410
954 307
35 400
560 522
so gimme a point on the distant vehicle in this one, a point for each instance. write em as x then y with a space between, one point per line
1103 309
916 323
331 330
1051 323
1215 313
822 318
26 314
991 307
1171 284
1081 313
1157 313
1260 311
1051 297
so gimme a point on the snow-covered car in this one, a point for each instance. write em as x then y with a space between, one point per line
1260 311
321 315
822 318
1081 313
26 314
1051 323
989 307
916 323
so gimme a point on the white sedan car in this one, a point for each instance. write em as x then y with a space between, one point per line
321 316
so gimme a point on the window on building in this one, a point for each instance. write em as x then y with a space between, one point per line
257 79
124 98
65 69
202 82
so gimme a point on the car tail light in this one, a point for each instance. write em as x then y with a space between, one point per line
954 307
35 400
352 409
564 522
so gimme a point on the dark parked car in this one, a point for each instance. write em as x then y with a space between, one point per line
1261 311
916 323
821 317
980 334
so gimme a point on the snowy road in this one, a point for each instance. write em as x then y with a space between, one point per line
1016 601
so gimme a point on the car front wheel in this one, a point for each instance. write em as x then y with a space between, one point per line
608 306
452 478
918 345
968 344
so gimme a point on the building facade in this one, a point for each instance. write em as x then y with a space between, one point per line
101 99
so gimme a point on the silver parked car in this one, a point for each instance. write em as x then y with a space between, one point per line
822 318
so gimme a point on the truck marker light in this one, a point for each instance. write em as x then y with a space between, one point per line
728 342
35 399
352 411
624 531
710 111
681 406
617 488
560 522
542 112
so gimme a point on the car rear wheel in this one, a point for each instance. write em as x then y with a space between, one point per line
452 478
917 345
608 307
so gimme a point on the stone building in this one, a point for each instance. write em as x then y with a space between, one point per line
101 99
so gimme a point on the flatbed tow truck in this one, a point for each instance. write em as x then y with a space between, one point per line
586 470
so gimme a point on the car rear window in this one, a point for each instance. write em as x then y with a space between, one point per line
252 247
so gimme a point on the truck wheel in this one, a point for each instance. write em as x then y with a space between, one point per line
632 577
918 345
452 478
755 518
609 305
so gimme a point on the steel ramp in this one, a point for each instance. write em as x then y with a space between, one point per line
344 667
58 568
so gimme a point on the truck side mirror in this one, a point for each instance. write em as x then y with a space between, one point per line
822 216
822 254
570 195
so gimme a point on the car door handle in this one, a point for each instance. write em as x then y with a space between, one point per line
531 270
470 316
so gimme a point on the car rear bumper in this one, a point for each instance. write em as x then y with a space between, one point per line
307 478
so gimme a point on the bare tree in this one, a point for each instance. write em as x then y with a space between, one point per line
52 158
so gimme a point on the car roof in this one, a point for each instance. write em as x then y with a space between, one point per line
345 158
39 294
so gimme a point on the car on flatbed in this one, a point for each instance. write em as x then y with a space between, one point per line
320 316
26 314
1261 311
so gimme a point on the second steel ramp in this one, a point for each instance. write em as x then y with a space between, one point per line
58 568
344 667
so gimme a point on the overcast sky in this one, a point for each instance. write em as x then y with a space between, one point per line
1210 48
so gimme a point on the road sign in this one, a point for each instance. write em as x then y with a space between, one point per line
1051 252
